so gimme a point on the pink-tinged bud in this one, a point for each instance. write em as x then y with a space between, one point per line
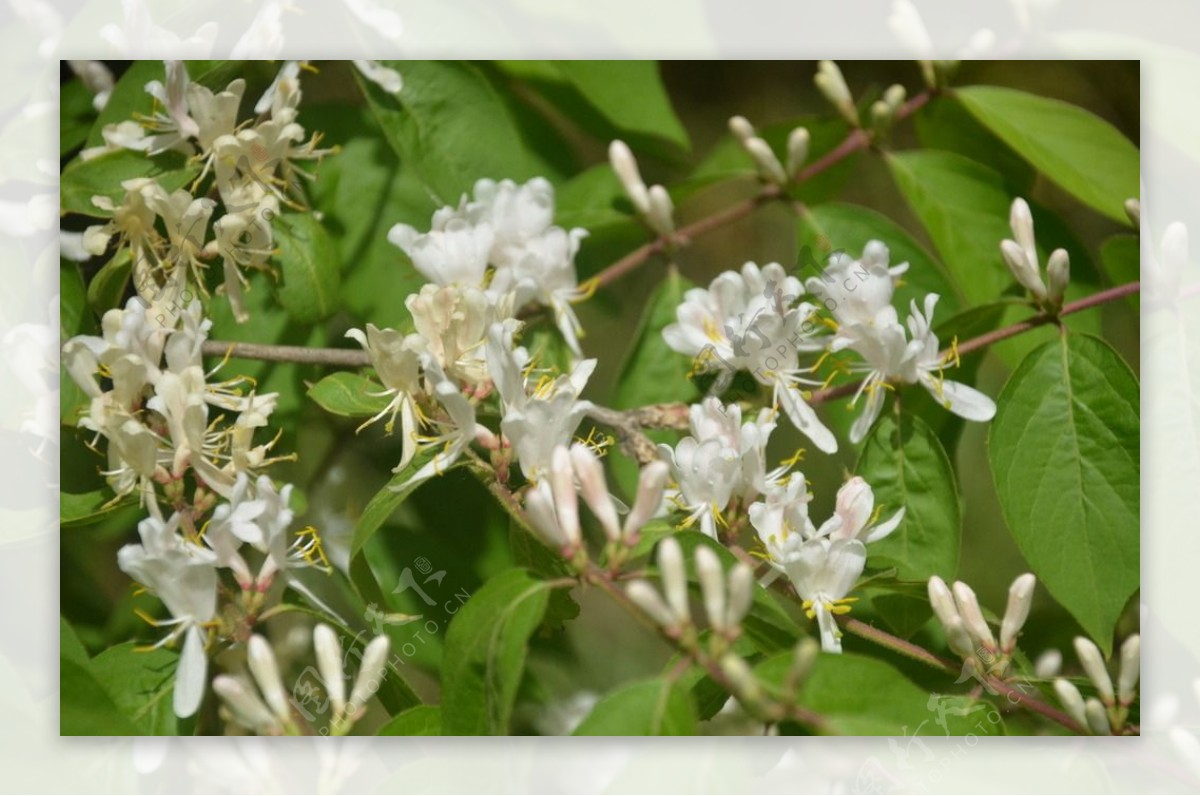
590 473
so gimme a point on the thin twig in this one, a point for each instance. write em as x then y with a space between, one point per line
336 357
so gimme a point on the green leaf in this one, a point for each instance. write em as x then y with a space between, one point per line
310 265
1121 257
69 646
72 300
946 125
650 707
387 500
449 126
103 175
907 467
84 707
141 684
654 372
76 115
629 94
421 720
964 208
827 228
349 395
485 653
1084 154
108 286
128 98
87 508
857 695
1064 450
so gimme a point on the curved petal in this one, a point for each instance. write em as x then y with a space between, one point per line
877 532
804 417
863 423
191 674
966 402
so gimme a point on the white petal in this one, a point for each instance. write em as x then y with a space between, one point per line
966 402
804 418
863 423
884 528
190 675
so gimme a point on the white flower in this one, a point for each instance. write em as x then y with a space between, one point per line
453 253
553 506
709 419
454 321
458 427
854 515
707 473
588 472
858 292
542 269
182 575
750 321
397 361
823 572
383 76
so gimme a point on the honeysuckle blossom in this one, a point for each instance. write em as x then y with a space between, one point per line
454 252
397 361
453 322
706 474
454 432
823 563
869 325
750 321
182 575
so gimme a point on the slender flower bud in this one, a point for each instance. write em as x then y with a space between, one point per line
370 673
266 674
1097 717
329 664
968 609
744 683
1020 219
1020 597
958 638
1024 270
1058 274
797 150
764 158
566 502
1131 661
651 482
647 598
1133 209
741 128
661 211
247 709
1072 700
712 586
1048 664
830 82
942 601
674 578
741 594
895 96
590 473
804 656
1093 664
625 165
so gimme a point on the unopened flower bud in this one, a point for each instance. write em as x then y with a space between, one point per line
674 578
562 484
1072 700
266 674
1048 664
744 683
329 663
830 82
1020 597
895 96
881 117
661 212
370 673
1131 661
768 165
1058 274
741 128
590 474
1020 220
741 594
797 150
1093 665
1133 209
712 586
651 482
804 657
1097 717
942 600
958 638
647 598
625 165
1023 269
972 616
247 709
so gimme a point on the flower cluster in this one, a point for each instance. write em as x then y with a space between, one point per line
1107 712
253 165
967 632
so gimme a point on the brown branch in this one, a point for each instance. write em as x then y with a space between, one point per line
338 357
